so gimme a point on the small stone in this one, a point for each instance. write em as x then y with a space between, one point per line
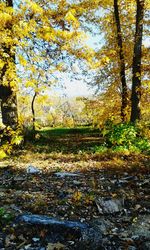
33 170
114 230
35 239
137 207
66 174
71 242
77 183
135 237
27 247
2 194
19 178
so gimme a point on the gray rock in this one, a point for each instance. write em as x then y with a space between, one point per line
45 220
141 227
66 174
108 205
102 225
86 236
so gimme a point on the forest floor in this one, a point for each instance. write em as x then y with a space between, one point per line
58 176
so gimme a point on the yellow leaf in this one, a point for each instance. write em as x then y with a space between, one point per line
2 154
77 196
1 64
22 60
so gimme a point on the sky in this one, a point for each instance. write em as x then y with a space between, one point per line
146 42
75 88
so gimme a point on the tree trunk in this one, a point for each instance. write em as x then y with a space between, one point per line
7 96
33 112
124 94
9 111
136 67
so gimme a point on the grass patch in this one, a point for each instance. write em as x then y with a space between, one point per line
52 132
65 140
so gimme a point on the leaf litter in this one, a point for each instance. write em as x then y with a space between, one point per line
111 194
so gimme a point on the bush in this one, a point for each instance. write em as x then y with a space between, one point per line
121 134
124 138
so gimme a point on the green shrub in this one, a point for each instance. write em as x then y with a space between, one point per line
121 134
100 149
123 138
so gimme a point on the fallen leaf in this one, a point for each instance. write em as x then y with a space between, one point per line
55 246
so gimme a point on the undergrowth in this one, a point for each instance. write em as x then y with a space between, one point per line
9 139
124 138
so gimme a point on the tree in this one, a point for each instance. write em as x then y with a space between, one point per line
35 30
7 94
124 94
136 66
129 44
111 60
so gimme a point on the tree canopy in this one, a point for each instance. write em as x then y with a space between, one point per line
42 39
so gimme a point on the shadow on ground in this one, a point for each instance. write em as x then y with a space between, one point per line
67 140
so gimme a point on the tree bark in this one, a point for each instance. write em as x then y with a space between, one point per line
7 95
9 111
33 112
136 67
124 94
9 3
